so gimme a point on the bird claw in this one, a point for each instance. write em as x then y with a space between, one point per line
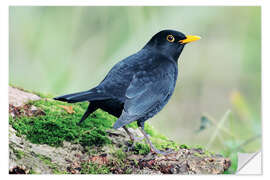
130 146
154 150
135 139
138 139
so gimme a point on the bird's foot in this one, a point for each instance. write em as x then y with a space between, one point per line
152 147
155 150
132 142
137 139
132 137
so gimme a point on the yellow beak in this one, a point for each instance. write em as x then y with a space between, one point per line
189 38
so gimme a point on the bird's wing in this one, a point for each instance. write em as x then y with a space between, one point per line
147 90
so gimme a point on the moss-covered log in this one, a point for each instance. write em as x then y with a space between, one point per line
44 139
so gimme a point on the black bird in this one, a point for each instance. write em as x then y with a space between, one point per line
139 86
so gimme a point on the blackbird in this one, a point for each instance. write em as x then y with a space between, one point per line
139 86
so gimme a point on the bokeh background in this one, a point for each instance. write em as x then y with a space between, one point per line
217 100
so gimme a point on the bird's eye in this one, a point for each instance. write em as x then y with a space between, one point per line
170 38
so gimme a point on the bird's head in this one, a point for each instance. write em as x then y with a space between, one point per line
170 42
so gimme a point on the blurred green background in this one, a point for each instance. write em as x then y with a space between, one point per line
217 100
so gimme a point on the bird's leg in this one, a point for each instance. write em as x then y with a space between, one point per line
152 147
132 137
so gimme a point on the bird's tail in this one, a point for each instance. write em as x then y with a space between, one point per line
90 95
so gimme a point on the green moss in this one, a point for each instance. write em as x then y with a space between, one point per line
184 146
133 125
160 141
58 125
198 154
46 160
18 153
31 171
120 161
203 152
128 171
198 147
120 154
141 148
93 168
208 153
135 162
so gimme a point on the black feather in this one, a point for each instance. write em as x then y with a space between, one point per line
138 87
82 96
